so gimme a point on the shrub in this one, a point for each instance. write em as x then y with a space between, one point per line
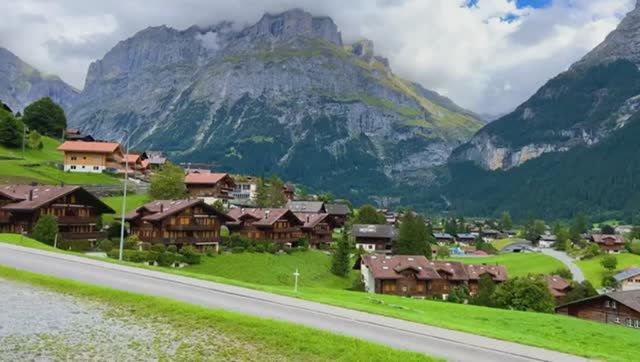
273 248
237 250
166 259
145 246
609 262
106 245
210 251
113 230
132 242
459 294
190 255
45 229
75 245
524 293
172 248
608 281
563 273
158 248
303 244
592 251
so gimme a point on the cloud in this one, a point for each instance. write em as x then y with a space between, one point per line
487 55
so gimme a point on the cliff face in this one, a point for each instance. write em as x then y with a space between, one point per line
21 84
582 106
284 95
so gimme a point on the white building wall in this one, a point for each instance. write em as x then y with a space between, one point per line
367 279
84 168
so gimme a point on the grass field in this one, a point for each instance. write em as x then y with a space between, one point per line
594 272
36 166
499 244
518 264
134 201
275 269
271 340
565 334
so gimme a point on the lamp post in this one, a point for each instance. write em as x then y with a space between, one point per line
124 192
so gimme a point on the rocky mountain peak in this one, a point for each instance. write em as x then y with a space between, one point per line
297 22
622 43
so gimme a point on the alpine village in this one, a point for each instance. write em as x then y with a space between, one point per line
283 195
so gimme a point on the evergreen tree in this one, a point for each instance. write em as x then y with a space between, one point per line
168 183
262 197
45 229
486 288
368 214
341 260
10 130
276 196
562 239
412 236
505 221
46 117
578 227
579 291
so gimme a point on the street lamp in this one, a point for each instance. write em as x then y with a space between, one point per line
24 137
124 192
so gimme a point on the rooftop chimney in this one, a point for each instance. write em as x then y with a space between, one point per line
266 214
161 208
30 195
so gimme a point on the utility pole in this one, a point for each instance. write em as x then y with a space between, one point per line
24 138
295 285
124 193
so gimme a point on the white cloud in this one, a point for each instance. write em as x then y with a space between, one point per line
468 54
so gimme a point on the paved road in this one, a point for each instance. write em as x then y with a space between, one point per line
438 342
578 276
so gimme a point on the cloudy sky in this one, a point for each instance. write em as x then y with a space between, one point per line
487 55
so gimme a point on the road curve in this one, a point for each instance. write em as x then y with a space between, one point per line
437 342
565 259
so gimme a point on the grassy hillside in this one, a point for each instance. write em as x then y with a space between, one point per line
518 264
249 336
38 166
594 272
565 334
275 270
134 201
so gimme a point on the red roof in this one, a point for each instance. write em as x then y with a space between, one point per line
94 147
29 198
205 178
608 239
557 285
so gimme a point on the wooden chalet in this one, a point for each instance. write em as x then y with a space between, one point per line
289 191
339 212
312 207
91 157
416 276
138 164
628 279
443 238
177 222
558 286
621 308
374 238
74 134
609 243
317 228
278 225
75 209
209 186
468 239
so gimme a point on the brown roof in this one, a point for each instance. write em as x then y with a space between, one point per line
29 198
373 231
311 220
607 239
94 147
391 267
264 216
557 285
206 178
160 209
630 298
132 158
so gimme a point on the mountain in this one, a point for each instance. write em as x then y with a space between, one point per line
21 84
284 95
571 147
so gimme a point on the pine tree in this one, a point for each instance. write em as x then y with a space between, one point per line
341 260
505 221
413 238
45 229
262 197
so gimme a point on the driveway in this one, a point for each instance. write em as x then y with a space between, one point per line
437 342
578 276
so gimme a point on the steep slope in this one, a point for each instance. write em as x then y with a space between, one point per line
284 95
21 84
579 107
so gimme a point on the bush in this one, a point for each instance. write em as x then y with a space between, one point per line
106 245
172 248
634 247
113 230
459 294
210 251
303 244
158 248
75 245
592 251
132 242
145 246
190 255
273 248
608 281
167 259
524 293
237 250
45 229
563 273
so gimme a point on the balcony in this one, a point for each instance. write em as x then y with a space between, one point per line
185 240
76 220
192 227
83 236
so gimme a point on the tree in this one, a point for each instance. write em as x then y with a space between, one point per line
486 288
45 229
534 229
634 247
10 130
341 260
325 197
578 227
262 197
219 206
451 226
579 291
412 236
34 140
609 262
168 183
607 229
46 117
524 293
635 233
458 294
368 214
505 221
592 251
608 281
562 239
443 252
269 194
563 273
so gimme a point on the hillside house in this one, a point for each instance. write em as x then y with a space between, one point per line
156 159
374 238
628 279
443 238
609 243
621 308
317 228
558 286
177 222
137 164
278 225
91 157
210 186
76 210
339 212
313 207
74 134
245 190
416 276
547 241
467 239
289 192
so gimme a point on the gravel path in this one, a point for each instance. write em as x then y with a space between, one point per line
578 276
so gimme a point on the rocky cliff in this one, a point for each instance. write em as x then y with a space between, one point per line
282 96
21 84
582 106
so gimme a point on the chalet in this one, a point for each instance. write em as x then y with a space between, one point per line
245 190
609 243
623 229
558 286
289 192
177 222
443 238
466 238
76 210
91 157
416 276
313 207
547 241
317 228
278 225
621 308
374 238
74 134
339 212
209 186
137 164
490 234
628 279
156 159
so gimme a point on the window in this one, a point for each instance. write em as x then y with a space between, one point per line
73 167
96 168
617 320
629 322
73 158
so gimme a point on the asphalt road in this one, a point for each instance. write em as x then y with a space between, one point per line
578 276
437 342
